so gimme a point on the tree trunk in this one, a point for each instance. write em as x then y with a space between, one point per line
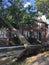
21 37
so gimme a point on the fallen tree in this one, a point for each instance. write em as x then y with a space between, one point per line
21 37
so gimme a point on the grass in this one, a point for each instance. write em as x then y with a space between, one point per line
25 62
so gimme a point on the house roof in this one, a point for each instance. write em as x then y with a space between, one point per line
36 19
47 21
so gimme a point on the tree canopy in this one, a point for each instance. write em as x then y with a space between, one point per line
16 14
43 6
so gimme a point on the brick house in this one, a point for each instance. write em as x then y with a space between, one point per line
5 32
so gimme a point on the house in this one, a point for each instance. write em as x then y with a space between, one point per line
5 32
25 30
40 31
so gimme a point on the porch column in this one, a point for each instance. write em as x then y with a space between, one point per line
46 34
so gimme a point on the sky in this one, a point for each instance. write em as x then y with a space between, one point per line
31 2
6 2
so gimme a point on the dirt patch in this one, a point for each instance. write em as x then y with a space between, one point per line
40 59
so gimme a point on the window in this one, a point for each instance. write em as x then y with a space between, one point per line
35 34
3 34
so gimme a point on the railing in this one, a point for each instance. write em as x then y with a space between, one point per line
18 47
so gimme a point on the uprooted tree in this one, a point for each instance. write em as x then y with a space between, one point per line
17 16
